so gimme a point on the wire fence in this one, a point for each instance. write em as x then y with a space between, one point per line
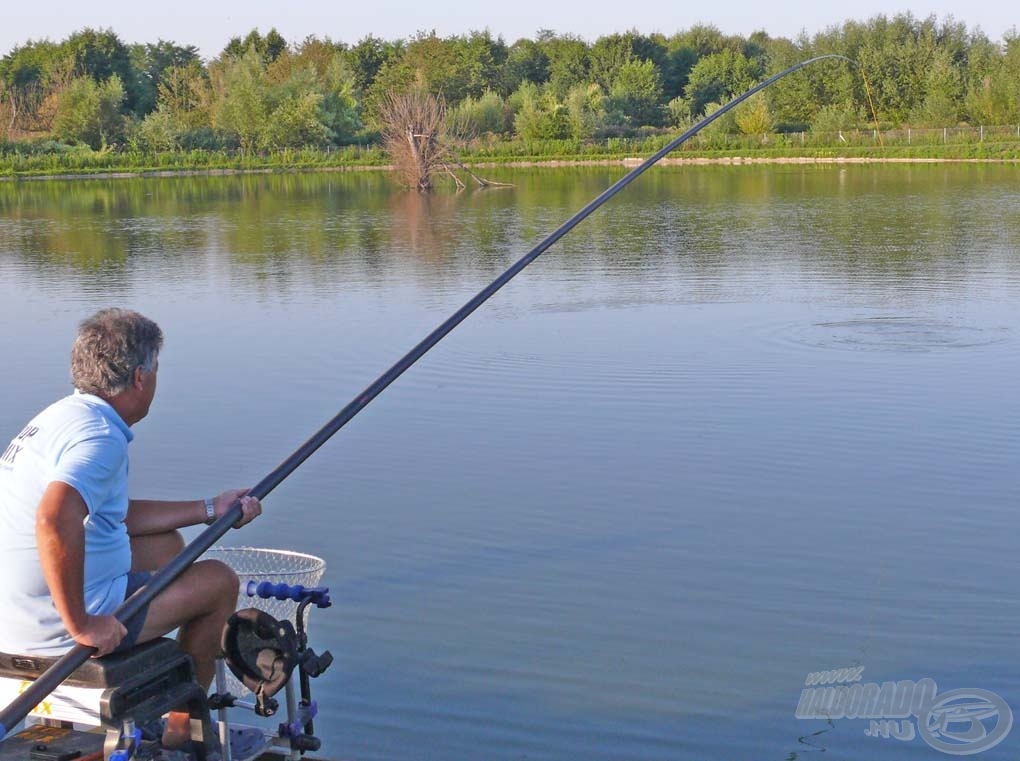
709 140
906 136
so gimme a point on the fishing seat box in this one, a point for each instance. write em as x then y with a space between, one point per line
141 684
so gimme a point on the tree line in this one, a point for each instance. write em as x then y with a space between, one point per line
263 94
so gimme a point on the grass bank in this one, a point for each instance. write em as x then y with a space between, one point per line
55 160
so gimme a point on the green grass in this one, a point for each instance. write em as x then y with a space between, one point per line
55 159
14 163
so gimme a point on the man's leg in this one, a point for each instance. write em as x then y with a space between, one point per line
199 602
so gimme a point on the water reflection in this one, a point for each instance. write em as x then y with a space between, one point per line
871 225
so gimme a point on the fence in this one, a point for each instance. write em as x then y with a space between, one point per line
712 140
907 136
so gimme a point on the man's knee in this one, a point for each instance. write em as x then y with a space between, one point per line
221 580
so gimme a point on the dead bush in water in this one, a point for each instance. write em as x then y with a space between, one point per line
417 137
412 130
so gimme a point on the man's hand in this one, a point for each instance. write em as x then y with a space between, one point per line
251 508
101 632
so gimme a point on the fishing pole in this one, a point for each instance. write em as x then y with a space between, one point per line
62 668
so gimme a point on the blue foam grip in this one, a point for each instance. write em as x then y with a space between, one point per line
298 593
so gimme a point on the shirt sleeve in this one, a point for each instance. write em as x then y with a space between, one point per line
91 467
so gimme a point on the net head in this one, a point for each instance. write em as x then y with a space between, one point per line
276 566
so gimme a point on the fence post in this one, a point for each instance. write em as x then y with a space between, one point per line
982 133
945 139
908 135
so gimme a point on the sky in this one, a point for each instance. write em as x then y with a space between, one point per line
210 25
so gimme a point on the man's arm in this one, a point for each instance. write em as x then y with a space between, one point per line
60 535
149 516
152 516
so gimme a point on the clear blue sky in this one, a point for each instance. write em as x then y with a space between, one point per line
210 25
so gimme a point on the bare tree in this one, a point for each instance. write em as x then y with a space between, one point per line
416 134
18 108
9 109
413 128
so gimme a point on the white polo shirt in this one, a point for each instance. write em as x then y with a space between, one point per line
81 441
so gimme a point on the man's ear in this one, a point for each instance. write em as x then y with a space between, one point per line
136 380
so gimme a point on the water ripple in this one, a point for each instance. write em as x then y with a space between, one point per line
896 334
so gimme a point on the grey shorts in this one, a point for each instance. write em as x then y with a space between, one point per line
136 580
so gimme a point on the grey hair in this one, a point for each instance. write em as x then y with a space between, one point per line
109 346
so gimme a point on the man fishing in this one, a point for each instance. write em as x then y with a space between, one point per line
74 545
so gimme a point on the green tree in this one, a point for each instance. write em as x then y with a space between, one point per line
241 105
897 57
792 100
31 77
943 93
338 108
319 53
280 106
606 57
837 119
89 112
185 96
586 109
100 54
636 94
752 117
483 59
703 39
526 62
269 48
366 59
724 125
983 61
568 62
295 122
430 63
151 63
680 59
32 64
993 95
678 113
158 131
716 78
477 116
540 116
610 53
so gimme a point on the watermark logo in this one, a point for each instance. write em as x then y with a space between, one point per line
959 722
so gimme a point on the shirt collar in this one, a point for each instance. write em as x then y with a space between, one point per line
107 410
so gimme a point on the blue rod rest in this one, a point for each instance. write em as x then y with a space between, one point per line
298 593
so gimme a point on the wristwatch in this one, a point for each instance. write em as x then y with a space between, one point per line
210 511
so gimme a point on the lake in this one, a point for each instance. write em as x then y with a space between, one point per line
743 425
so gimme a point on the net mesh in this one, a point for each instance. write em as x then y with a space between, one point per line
277 567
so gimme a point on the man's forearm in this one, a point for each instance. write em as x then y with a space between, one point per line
148 516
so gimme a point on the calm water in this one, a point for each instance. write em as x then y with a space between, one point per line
743 425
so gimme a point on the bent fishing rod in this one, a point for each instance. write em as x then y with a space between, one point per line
63 667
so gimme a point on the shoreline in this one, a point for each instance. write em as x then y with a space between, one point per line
121 174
